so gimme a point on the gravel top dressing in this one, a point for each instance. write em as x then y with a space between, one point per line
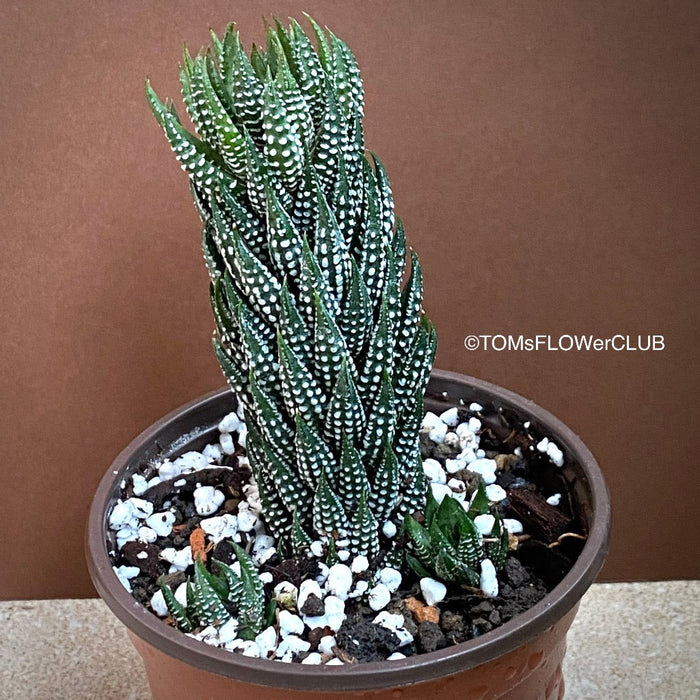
328 608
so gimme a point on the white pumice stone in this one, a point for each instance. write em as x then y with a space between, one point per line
286 594
142 555
228 631
517 451
179 560
263 555
333 616
434 472
440 491
430 420
220 527
389 529
457 485
191 462
343 555
486 468
167 470
542 445
378 597
124 573
181 594
158 604
242 435
140 484
126 534
266 577
474 425
230 423
488 581
334 662
147 535
391 578
313 659
554 499
247 520
359 564
452 466
405 637
266 641
161 523
322 573
484 523
515 527
433 591
263 542
480 454
555 454
450 416
207 500
476 407
437 434
290 623
327 644
451 440
360 589
396 656
209 635
495 493
339 581
213 453
250 648
307 588
389 621
155 481
228 446
467 456
180 482
316 548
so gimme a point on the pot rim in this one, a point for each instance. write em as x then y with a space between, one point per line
421 667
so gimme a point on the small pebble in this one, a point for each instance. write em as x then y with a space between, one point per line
440 491
437 434
433 591
327 644
452 466
389 529
555 454
220 527
339 581
396 656
359 564
391 578
228 446
430 420
495 493
343 555
207 500
313 659
450 417
335 662
161 523
474 425
554 500
488 580
190 462
228 631
230 423
476 407
316 548
266 641
486 468
147 535
179 560
158 604
290 623
433 471
378 597
213 453
484 523
515 527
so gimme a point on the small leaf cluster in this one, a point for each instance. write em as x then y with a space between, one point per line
323 342
449 546
215 598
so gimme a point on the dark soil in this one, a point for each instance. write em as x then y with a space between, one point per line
541 559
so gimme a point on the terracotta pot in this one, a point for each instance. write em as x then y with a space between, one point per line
520 660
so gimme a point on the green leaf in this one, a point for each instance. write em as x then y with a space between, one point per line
380 424
479 504
351 479
344 414
470 544
312 453
208 604
355 317
283 239
364 538
420 539
385 489
176 609
417 567
328 513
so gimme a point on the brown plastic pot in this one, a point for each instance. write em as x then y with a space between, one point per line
520 660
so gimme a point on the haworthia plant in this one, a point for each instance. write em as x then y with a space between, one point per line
328 352
449 546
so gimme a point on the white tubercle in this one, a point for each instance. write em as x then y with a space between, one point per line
488 580
378 597
554 499
433 591
450 417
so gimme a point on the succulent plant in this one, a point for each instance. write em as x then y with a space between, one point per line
213 599
327 352
449 546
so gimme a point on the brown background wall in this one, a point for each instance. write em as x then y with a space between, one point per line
543 156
